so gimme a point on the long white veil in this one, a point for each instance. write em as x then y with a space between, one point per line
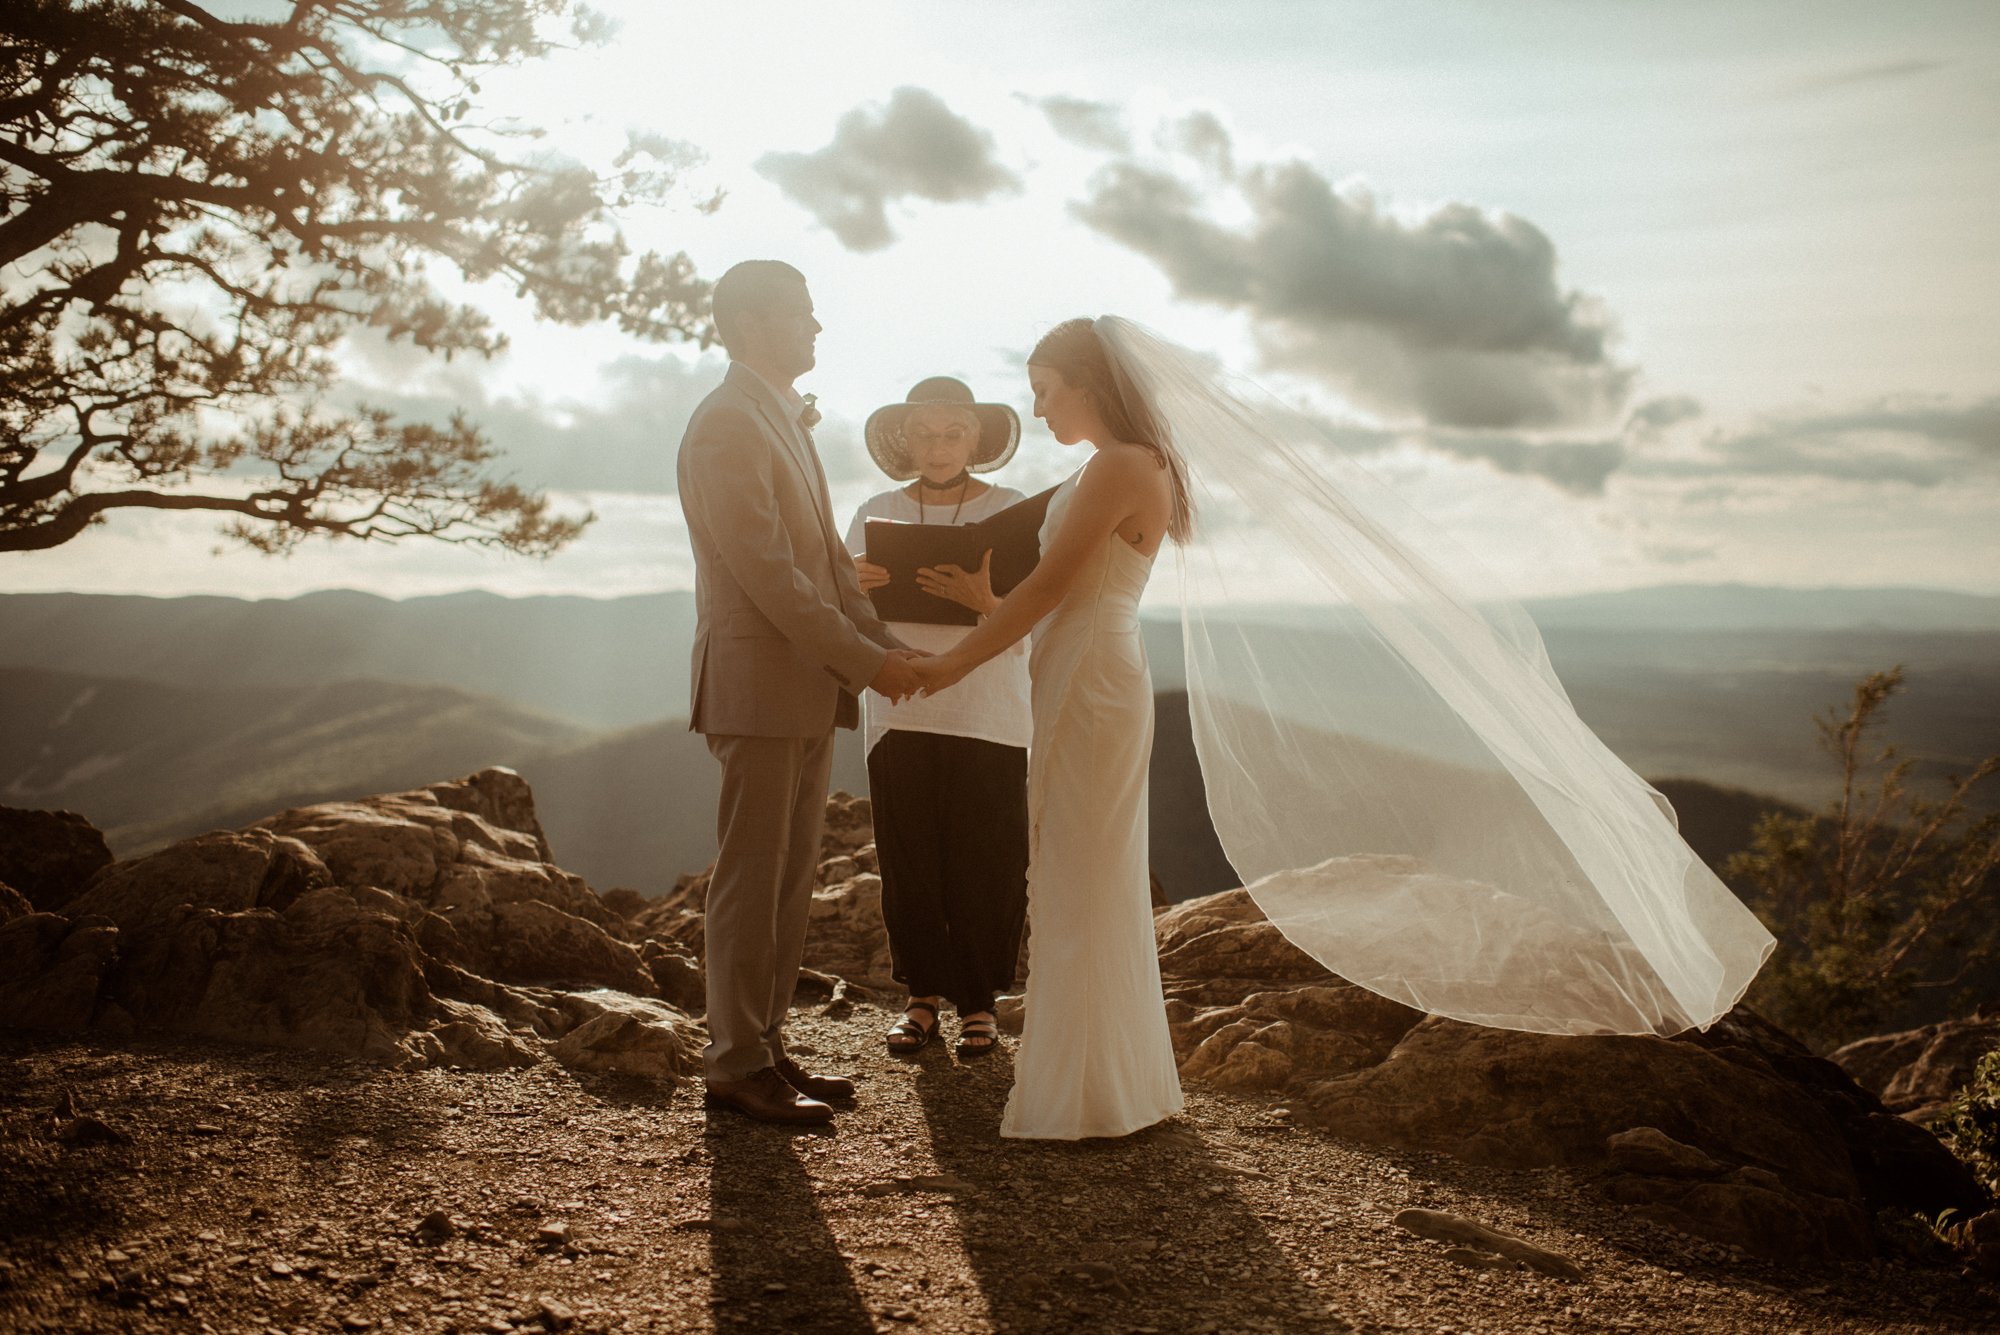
1391 764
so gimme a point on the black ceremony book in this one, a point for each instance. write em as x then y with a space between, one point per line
1013 535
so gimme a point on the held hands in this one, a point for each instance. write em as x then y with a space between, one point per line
896 677
967 588
936 672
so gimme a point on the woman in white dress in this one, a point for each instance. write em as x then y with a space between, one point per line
1390 761
948 774
1095 1057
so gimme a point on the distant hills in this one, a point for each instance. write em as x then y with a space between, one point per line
1756 607
159 717
600 663
149 762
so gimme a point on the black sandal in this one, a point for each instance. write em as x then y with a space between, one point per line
906 1036
977 1029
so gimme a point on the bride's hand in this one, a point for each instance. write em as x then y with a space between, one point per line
967 588
938 672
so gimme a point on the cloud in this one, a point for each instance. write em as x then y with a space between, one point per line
1099 125
1884 71
1203 137
1923 445
1915 442
915 147
1578 467
1457 317
622 439
1657 415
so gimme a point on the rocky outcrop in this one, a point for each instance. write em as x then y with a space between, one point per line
49 856
13 903
1740 1134
420 928
1917 1071
1249 1010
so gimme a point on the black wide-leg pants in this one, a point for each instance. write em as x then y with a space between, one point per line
951 835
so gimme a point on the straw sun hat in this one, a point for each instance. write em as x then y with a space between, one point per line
999 428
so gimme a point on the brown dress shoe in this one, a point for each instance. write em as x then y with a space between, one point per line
822 1087
765 1096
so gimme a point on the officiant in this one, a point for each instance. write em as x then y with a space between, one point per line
947 775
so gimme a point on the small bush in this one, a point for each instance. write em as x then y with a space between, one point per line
1970 1124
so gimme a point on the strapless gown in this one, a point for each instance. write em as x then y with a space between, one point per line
1095 1057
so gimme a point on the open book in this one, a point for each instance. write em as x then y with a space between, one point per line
1013 535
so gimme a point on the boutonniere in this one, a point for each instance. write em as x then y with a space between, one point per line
810 417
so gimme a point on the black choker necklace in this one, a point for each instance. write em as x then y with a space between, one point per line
962 484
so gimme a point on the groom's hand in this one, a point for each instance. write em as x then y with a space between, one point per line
895 678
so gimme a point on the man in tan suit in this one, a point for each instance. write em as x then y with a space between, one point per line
784 642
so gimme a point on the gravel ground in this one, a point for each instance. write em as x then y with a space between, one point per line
254 1190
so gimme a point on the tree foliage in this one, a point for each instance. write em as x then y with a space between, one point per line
1970 1122
195 212
1887 893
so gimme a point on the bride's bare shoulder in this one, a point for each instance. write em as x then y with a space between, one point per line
1122 461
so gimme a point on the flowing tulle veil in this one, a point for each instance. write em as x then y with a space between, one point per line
1391 764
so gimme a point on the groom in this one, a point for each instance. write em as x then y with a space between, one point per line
784 642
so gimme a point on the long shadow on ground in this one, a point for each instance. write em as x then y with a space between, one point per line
1111 1242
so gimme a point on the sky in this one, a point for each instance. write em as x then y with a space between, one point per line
1620 293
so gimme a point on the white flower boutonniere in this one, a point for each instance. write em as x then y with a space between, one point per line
809 418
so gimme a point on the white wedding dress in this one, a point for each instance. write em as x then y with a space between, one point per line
1095 1057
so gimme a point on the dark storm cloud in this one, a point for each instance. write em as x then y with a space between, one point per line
915 147
1457 317
1098 125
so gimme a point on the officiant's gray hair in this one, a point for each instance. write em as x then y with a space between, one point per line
749 288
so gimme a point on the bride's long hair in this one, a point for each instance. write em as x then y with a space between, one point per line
1074 351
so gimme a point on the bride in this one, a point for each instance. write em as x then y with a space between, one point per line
1390 762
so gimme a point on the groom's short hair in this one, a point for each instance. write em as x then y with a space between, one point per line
752 287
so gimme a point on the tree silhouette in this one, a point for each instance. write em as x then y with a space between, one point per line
196 211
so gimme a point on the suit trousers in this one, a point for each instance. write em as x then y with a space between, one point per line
768 826
951 835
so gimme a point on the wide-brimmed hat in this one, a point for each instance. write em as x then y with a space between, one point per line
999 428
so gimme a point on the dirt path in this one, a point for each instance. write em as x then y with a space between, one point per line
284 1191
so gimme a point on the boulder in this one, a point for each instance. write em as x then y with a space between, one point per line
49 856
52 969
1520 1100
536 942
1249 1010
1739 1134
225 870
1916 1072
472 852
13 904
627 1035
1651 1152
420 928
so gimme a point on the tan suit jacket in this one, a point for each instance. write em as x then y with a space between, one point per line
784 638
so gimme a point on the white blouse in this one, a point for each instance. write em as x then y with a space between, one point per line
992 702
